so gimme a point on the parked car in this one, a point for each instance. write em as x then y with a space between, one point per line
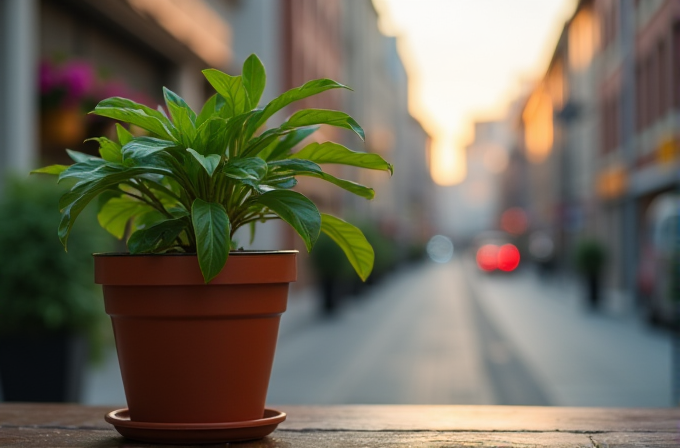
658 276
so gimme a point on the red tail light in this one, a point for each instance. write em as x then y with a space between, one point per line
491 257
508 258
487 257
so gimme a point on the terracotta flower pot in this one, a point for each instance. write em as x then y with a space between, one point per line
190 352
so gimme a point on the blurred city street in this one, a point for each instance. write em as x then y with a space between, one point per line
540 139
448 334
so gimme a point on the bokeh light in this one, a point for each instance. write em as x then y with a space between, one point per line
487 257
440 249
541 246
514 221
508 257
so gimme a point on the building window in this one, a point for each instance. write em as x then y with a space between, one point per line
606 134
611 122
538 125
639 97
583 39
650 91
662 85
676 65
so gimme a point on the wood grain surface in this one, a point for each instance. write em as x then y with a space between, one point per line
58 425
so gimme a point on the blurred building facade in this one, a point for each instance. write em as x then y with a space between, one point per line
476 201
133 47
95 49
403 205
598 135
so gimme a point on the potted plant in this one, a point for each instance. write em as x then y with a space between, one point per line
48 321
195 324
590 259
334 275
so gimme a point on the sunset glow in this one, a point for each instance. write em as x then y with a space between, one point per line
466 61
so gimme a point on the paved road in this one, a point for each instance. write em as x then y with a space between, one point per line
448 334
608 358
411 340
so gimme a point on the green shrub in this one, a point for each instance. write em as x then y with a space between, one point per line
385 248
329 261
42 288
590 256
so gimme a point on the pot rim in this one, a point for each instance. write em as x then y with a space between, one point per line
245 267
193 254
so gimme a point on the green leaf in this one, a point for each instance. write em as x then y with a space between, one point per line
146 220
159 162
80 156
252 231
296 210
294 166
209 108
130 112
52 169
124 136
308 89
74 201
235 134
183 116
352 242
90 169
96 169
308 117
108 149
219 102
158 237
117 211
251 168
92 183
212 229
352 187
263 141
106 196
141 147
281 149
175 103
231 89
254 79
330 152
209 163
286 183
211 137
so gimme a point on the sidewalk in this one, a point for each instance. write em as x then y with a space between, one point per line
580 357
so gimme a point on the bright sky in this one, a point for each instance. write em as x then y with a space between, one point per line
466 61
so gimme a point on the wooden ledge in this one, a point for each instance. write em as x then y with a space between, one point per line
57 425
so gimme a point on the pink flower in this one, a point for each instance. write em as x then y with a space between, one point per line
113 88
79 79
48 77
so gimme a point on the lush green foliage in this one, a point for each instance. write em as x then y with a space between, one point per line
590 256
41 287
197 178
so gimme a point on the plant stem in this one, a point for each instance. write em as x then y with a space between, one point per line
159 205
182 179
252 219
147 201
164 190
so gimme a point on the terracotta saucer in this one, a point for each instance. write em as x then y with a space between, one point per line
178 433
